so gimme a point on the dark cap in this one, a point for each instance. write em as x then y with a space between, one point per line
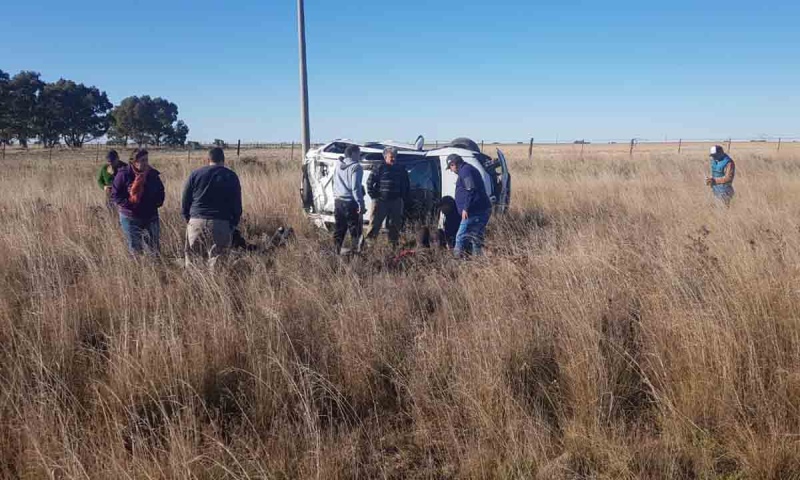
112 156
454 159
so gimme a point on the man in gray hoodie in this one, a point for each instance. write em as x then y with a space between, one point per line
349 198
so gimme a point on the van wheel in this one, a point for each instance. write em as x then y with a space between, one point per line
465 143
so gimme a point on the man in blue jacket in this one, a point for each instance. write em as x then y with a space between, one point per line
472 203
212 207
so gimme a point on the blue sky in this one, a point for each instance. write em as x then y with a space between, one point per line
501 71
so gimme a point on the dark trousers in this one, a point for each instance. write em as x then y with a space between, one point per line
347 219
392 212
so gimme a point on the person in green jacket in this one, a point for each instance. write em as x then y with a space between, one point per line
105 177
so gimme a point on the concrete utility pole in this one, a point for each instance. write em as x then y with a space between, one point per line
301 38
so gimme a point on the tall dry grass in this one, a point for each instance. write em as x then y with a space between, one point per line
621 326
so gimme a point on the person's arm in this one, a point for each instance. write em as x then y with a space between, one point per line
187 197
119 192
161 193
469 186
101 178
358 188
236 208
374 178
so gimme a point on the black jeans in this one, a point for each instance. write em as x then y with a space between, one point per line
347 219
392 212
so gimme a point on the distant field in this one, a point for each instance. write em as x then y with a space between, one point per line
621 326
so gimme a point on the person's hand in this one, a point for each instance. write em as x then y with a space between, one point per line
107 189
464 215
709 181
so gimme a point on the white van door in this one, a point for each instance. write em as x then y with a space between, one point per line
504 196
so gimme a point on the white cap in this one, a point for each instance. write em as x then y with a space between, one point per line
714 150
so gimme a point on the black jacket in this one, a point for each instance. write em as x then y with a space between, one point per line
213 193
389 182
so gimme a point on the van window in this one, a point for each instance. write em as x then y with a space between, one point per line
421 175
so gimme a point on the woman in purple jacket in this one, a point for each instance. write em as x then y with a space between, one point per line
139 193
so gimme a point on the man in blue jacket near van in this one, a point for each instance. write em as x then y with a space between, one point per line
473 204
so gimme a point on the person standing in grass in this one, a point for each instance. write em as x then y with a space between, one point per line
138 193
473 204
105 177
723 171
389 187
349 199
450 223
212 207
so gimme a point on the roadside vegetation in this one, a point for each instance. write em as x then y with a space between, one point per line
621 326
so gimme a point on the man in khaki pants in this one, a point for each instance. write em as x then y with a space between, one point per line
212 206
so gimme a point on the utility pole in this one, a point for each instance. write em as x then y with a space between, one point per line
301 38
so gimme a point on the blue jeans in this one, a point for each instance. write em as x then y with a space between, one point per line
470 234
724 193
141 234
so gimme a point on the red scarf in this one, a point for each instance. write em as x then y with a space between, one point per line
137 187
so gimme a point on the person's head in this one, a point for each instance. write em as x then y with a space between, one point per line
717 152
447 205
216 156
454 162
112 157
389 155
140 159
352 152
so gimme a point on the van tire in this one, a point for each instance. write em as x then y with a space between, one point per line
465 143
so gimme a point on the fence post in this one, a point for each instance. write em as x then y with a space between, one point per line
481 146
779 147
238 148
729 145
633 142
4 150
530 150
583 144
188 154
680 144
291 154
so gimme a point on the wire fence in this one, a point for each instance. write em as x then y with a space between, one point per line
773 141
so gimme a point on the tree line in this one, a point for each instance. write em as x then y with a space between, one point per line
73 113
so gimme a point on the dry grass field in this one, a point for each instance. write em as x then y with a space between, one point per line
621 326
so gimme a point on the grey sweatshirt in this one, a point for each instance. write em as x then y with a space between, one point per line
347 180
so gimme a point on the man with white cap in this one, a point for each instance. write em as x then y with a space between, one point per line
723 171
